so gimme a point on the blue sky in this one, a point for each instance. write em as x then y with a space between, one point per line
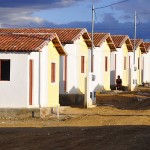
117 19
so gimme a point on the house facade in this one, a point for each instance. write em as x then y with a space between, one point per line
121 60
29 70
73 67
139 59
146 62
101 57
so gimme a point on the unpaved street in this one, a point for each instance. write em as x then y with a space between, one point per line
99 128
116 124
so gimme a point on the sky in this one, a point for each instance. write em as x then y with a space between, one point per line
116 19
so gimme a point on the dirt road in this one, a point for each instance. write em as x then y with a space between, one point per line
76 138
99 128
121 125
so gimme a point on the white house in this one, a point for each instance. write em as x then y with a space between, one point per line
120 60
29 70
146 63
101 57
139 50
73 67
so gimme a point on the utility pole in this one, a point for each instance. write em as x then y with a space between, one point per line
134 69
92 36
134 37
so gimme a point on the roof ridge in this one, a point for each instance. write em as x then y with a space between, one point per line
120 35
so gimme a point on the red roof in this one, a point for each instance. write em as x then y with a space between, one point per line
28 42
119 40
147 46
139 43
66 35
99 38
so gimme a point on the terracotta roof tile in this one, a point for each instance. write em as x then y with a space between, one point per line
28 42
99 38
139 43
119 40
147 46
66 35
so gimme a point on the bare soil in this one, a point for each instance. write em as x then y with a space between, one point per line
112 125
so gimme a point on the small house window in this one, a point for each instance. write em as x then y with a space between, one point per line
4 70
82 64
106 64
53 72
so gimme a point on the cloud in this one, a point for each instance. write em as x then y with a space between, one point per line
37 4
122 23
18 12
132 5
109 24
128 8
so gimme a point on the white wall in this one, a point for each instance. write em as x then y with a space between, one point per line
119 63
112 68
35 87
102 78
40 78
146 69
72 59
14 93
98 68
130 54
61 75
44 77
132 73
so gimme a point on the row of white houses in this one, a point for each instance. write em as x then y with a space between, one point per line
43 67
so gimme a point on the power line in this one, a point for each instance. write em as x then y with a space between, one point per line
113 28
112 4
144 13
130 28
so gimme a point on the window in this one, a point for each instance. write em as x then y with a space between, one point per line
4 70
106 64
53 65
82 64
138 63
125 63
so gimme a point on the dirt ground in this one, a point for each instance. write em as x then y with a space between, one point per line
109 126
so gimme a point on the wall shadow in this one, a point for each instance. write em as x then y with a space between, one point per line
75 98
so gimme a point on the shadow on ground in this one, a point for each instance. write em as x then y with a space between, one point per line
76 138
